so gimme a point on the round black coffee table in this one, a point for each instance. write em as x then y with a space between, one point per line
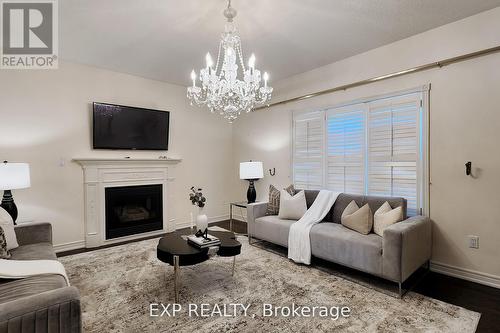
174 250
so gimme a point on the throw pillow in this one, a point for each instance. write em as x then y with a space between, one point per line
273 206
385 216
4 254
357 219
290 189
8 228
292 207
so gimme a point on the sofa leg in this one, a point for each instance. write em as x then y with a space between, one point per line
253 240
427 268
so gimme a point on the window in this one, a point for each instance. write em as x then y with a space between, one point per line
346 147
308 137
375 147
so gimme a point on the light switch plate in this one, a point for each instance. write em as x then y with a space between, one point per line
473 242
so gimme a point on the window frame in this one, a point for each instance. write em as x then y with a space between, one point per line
423 128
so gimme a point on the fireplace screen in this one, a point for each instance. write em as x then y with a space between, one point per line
133 210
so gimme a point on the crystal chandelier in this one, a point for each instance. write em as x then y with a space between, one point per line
221 90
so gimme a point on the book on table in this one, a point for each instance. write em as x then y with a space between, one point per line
202 242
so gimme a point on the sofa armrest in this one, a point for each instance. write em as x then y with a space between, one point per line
406 246
56 310
254 211
32 233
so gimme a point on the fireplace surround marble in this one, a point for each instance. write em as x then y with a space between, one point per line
102 173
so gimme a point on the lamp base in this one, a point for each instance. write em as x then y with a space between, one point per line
9 205
251 194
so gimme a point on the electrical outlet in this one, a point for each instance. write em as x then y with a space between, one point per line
473 242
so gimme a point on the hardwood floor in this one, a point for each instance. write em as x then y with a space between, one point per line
238 226
469 295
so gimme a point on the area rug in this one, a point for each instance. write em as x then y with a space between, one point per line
123 285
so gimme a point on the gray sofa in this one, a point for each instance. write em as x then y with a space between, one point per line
43 303
404 247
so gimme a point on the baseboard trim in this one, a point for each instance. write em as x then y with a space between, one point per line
218 218
239 217
69 246
76 245
212 219
466 274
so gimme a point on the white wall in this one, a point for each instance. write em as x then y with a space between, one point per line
464 125
45 118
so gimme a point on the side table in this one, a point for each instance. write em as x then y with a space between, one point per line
241 204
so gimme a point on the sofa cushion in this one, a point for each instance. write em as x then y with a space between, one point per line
38 251
358 219
272 229
343 200
386 216
334 242
8 227
373 201
273 205
334 215
15 289
4 254
376 202
310 197
292 207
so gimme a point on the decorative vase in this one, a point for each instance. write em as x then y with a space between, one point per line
201 221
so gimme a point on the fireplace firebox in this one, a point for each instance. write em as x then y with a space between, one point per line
133 210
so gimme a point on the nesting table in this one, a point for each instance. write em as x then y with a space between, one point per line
174 250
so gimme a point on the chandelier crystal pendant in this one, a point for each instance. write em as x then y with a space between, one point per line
221 90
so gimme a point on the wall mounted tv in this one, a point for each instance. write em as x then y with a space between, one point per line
125 127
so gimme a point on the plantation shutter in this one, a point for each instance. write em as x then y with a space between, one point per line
375 147
345 169
393 148
308 150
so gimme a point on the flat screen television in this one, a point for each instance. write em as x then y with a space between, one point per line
126 127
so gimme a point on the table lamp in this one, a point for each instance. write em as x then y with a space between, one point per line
251 171
13 176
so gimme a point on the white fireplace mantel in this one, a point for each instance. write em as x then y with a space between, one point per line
100 160
100 173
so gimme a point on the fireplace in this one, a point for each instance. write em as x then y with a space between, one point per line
131 210
100 174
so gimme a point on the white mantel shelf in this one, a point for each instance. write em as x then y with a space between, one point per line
97 160
102 173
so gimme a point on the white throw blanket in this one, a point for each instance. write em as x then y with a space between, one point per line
19 269
299 244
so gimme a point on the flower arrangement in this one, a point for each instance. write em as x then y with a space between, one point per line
196 197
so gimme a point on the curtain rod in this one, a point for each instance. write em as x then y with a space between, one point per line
437 64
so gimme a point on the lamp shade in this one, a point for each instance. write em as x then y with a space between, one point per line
251 170
14 176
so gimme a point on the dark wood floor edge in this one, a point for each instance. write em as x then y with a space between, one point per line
227 221
477 322
490 281
84 249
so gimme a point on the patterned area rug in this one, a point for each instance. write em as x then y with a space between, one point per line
118 284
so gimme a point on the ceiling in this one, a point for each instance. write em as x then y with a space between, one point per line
166 39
